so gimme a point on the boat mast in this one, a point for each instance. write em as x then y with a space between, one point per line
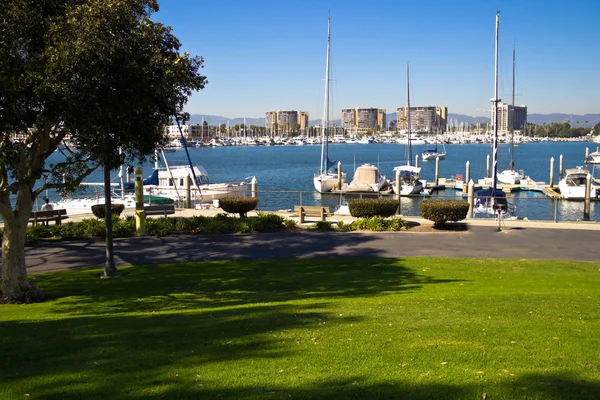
408 113
495 102
325 123
512 125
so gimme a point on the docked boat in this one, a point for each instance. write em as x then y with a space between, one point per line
595 156
83 205
510 176
409 180
327 179
367 179
572 186
409 175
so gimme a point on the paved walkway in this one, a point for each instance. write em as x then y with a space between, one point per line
517 239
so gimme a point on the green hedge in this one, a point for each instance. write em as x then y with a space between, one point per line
366 208
99 210
441 211
238 205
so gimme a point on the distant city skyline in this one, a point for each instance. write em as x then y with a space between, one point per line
265 55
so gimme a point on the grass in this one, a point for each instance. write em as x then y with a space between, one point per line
320 329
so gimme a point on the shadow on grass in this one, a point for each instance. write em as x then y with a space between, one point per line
196 286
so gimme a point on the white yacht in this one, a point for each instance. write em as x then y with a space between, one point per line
511 177
572 186
409 181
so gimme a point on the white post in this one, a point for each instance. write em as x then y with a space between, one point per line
551 172
470 198
588 193
560 167
254 184
467 176
437 170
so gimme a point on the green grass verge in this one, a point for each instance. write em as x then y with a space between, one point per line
320 329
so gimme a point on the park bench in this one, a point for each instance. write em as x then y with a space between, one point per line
160 209
311 211
44 217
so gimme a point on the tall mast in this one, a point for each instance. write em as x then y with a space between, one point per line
408 113
512 124
495 102
325 124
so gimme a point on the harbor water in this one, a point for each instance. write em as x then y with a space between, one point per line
285 173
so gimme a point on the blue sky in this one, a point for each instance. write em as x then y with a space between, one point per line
266 55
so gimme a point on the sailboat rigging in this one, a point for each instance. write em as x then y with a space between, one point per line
409 181
326 180
511 176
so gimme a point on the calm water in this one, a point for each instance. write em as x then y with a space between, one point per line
285 171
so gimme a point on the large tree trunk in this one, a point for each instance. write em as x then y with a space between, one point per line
15 285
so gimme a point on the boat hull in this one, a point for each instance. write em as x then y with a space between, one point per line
432 156
326 183
510 177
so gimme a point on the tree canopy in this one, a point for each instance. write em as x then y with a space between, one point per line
100 73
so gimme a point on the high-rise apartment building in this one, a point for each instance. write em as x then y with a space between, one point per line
423 119
511 117
286 120
360 120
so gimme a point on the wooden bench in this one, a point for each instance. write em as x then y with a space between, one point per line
45 217
311 211
160 209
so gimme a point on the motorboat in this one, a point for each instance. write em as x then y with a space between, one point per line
595 156
572 186
409 181
367 179
511 177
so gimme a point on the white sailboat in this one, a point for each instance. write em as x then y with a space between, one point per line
409 181
433 153
511 176
326 180
493 200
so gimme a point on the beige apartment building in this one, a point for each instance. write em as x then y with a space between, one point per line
361 120
423 119
285 120
511 117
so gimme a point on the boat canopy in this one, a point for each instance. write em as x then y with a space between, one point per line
151 180
408 168
365 175
484 195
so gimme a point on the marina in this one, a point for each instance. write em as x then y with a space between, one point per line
285 173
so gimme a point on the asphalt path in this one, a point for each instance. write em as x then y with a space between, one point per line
477 242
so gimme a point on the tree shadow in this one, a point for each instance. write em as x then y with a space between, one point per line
224 284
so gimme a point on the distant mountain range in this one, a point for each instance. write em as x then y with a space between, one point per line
592 119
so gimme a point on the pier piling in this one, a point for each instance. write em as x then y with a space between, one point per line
339 175
417 165
586 204
487 167
471 189
587 154
254 184
560 167
467 176
551 172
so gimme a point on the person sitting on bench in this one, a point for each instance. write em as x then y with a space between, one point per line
47 206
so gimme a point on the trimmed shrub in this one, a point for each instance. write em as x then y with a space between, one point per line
99 210
365 208
266 222
441 211
238 205
160 226
324 225
289 224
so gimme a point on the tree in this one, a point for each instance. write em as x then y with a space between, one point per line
223 129
296 127
101 72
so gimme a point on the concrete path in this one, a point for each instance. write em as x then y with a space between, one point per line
480 241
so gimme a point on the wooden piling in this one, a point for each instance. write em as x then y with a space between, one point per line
471 189
467 176
339 171
560 167
588 194
551 172
487 167
417 165
254 184
437 170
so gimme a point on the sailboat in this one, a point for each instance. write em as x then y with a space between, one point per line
326 180
433 153
409 181
511 176
493 200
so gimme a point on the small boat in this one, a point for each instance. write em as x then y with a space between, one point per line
433 153
409 181
572 186
367 179
595 156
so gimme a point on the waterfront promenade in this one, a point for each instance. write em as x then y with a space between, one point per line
517 240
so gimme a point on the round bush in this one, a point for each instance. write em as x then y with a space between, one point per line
365 208
238 205
440 211
99 210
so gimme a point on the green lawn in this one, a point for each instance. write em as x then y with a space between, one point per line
347 328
